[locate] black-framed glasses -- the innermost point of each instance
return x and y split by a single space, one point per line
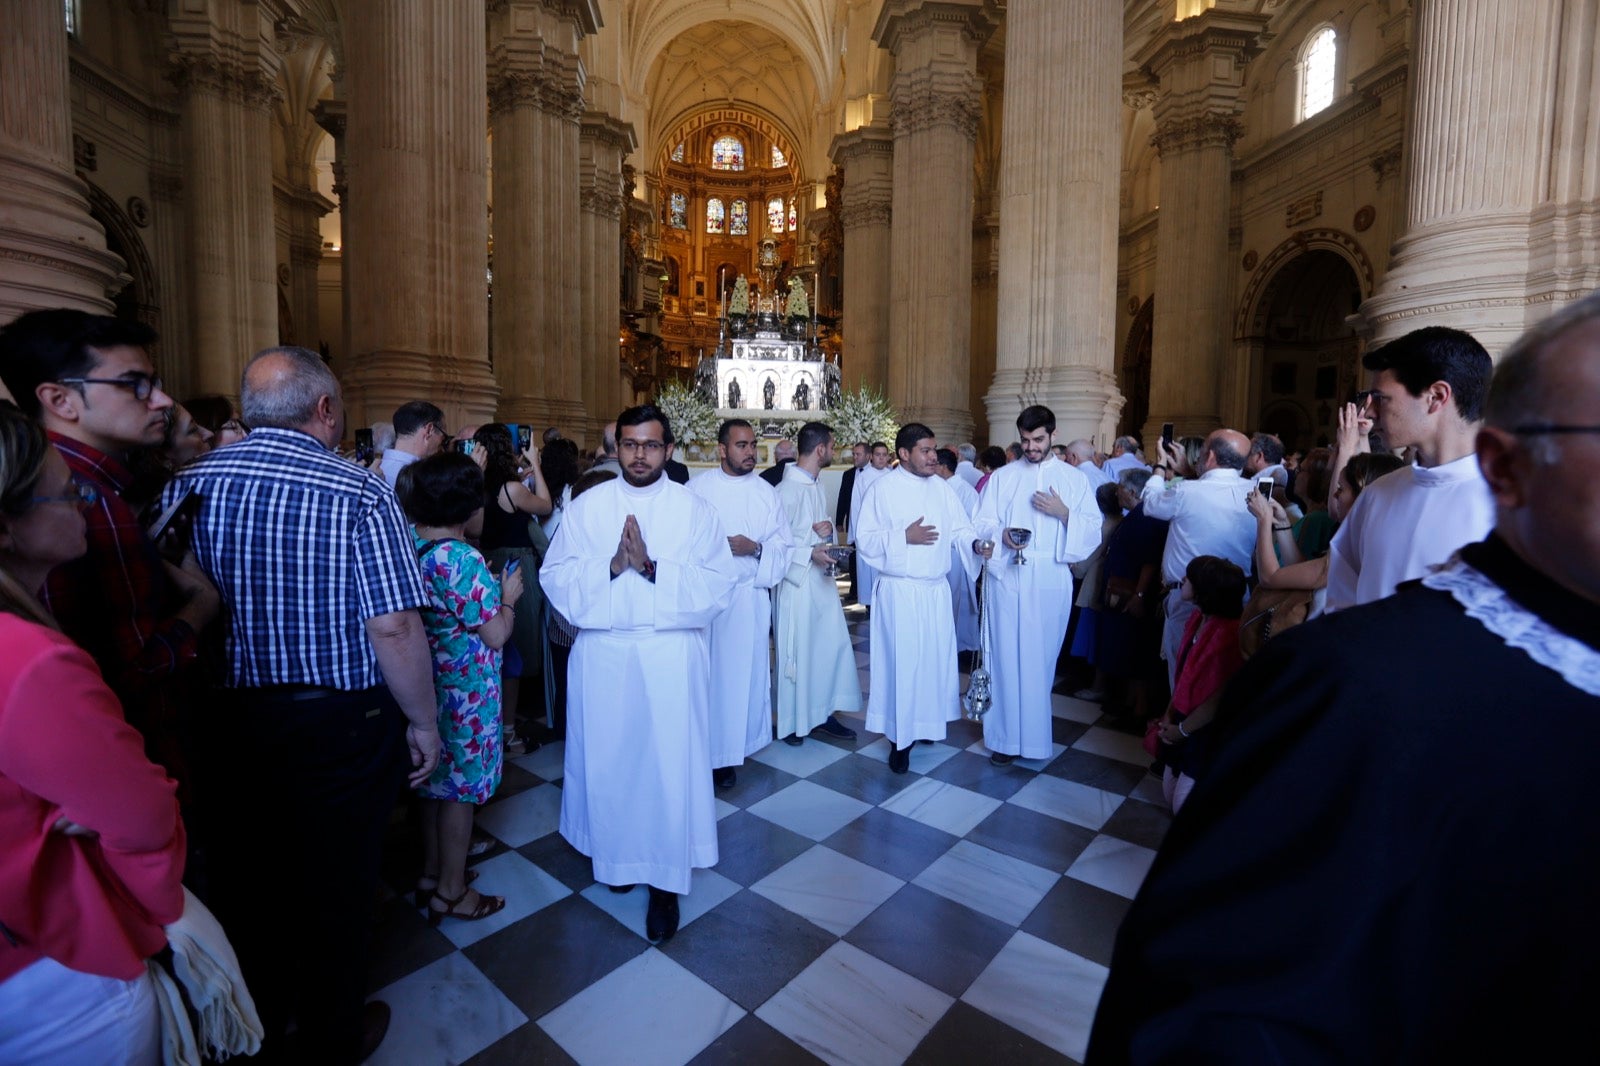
654 447
81 493
141 384
1532 430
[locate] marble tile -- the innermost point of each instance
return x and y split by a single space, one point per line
543 961
1081 918
978 747
724 808
1149 790
749 947
752 1040
1114 865
1042 990
647 1010
802 761
990 883
851 1008
810 810
863 659
830 889
932 938
864 779
975 773
966 1035
924 757
525 887
1074 710
756 781
547 762
523 818
891 842
1114 744
749 848
1097 771
944 806
1068 800
1032 837
452 988
707 888
1141 823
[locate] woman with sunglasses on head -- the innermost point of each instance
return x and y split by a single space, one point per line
91 844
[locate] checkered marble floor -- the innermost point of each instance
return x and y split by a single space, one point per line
955 914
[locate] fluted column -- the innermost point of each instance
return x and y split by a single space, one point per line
934 111
1060 165
605 141
333 116
1199 66
867 195
52 254
536 105
1477 168
415 223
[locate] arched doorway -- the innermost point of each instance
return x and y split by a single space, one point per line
139 300
1133 371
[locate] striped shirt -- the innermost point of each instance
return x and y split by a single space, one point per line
305 547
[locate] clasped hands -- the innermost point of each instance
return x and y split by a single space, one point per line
631 552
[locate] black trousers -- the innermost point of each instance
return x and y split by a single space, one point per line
300 786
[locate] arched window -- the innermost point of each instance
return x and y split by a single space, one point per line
1317 72
678 216
739 218
677 153
714 215
775 214
794 219
727 153
778 160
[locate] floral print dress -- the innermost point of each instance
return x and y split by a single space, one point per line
463 595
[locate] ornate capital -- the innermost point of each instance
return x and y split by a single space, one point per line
924 102
1140 98
1211 129
871 213
548 90
231 80
1386 164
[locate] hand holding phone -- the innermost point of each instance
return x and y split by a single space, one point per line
1166 434
1265 487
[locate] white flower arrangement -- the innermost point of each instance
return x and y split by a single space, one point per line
797 306
862 415
739 302
693 419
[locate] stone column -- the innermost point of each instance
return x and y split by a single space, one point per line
226 74
333 116
867 156
52 254
605 143
416 217
1060 171
934 111
1199 66
536 104
1476 168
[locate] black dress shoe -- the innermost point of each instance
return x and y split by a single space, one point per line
831 726
661 920
900 760
924 742
622 889
724 777
374 1024
999 759
794 740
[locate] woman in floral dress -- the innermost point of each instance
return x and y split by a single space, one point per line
469 619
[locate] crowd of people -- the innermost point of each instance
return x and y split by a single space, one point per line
234 644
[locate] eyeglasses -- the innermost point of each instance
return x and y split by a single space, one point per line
653 447
81 493
232 425
1540 431
141 384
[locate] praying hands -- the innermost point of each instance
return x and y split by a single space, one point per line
631 552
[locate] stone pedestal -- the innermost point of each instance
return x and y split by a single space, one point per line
867 156
416 217
1060 169
605 142
1199 66
934 111
52 254
1478 171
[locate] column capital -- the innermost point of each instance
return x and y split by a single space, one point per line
924 99
901 21
583 14
556 88
608 132
1210 129
1196 69
241 83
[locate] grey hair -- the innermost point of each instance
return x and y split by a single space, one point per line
967 453
1517 395
286 401
1127 444
1133 479
382 436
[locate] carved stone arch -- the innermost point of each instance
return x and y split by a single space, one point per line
141 299
1250 318
1133 369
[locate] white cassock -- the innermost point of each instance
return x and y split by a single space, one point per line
866 577
963 592
816 661
1030 604
741 659
915 689
637 798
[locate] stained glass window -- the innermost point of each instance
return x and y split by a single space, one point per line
677 153
778 160
714 215
794 219
678 217
739 218
1317 73
775 214
727 153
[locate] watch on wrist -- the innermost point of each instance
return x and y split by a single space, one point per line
758 552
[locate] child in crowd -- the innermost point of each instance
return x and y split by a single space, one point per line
469 619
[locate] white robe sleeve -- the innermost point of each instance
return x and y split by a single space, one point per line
688 592
988 521
959 533
1344 560
798 521
777 547
880 539
1082 534
576 575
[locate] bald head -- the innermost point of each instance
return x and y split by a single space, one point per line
1080 451
784 449
1225 449
292 388
608 441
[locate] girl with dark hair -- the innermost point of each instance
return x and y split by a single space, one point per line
1208 657
217 416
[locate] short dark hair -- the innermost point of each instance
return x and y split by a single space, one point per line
813 434
910 434
1268 447
993 457
878 444
947 459
590 480
1438 353
1218 586
1105 497
1036 416
58 343
645 412
412 416
1227 455
444 489
861 444
1366 467
1014 451
728 426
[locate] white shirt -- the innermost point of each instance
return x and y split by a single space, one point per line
1008 503
1402 524
393 462
1096 476
969 473
965 493
1126 461
1209 516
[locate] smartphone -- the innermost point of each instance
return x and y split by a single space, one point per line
1265 487
170 531
364 447
511 567
1166 433
466 446
523 435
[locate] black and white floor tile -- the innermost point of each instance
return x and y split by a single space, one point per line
958 913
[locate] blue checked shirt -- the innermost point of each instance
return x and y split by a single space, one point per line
304 547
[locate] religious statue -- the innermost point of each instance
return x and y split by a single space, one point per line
769 392
802 397
734 394
832 391
705 379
